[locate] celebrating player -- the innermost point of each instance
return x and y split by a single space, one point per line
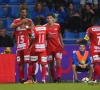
93 34
37 50
22 26
54 47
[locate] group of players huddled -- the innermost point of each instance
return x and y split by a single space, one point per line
44 44
39 43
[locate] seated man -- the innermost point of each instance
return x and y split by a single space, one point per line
82 62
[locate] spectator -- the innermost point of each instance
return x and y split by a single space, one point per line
74 22
60 16
5 40
39 10
94 2
87 15
24 5
82 62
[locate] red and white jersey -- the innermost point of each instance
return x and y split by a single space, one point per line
39 33
53 43
21 34
93 33
22 39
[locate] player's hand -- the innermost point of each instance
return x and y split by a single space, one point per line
84 66
62 45
24 21
80 65
77 41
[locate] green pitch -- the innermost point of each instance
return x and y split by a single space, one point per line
49 86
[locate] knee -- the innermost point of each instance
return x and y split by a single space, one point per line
58 63
73 66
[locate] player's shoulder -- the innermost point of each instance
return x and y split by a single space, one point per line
56 24
94 28
18 19
45 25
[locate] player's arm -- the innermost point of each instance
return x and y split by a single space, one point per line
30 26
84 40
61 40
15 25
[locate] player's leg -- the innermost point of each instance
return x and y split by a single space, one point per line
95 60
50 60
58 58
20 60
75 72
43 61
90 71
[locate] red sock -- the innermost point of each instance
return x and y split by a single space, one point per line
52 70
21 72
33 70
43 72
96 72
58 71
30 68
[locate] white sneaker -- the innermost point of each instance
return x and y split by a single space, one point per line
93 81
43 81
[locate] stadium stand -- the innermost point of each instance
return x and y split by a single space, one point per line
2 2
69 38
12 2
31 2
76 2
2 13
81 35
11 11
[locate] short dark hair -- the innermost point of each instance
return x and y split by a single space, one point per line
23 9
37 20
95 20
50 14
82 44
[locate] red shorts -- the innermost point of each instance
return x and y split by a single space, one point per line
54 55
40 57
95 57
23 56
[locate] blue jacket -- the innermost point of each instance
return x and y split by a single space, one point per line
75 60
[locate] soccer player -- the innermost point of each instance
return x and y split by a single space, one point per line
54 46
37 50
22 26
93 34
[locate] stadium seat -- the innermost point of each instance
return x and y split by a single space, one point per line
31 8
46 10
12 11
2 2
76 2
69 38
99 22
30 2
2 13
12 2
7 23
81 35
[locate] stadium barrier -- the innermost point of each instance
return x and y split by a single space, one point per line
66 65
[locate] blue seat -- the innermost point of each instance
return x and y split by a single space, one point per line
7 23
2 13
76 2
13 2
69 36
47 10
99 22
12 11
81 35
2 2
31 2
31 8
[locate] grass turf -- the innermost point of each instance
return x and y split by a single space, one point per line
50 86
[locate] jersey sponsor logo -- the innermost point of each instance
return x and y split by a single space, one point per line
40 28
95 29
96 47
18 59
44 59
21 45
20 29
96 57
26 57
40 46
34 58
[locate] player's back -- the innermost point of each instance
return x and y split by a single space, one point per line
94 35
22 40
40 38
